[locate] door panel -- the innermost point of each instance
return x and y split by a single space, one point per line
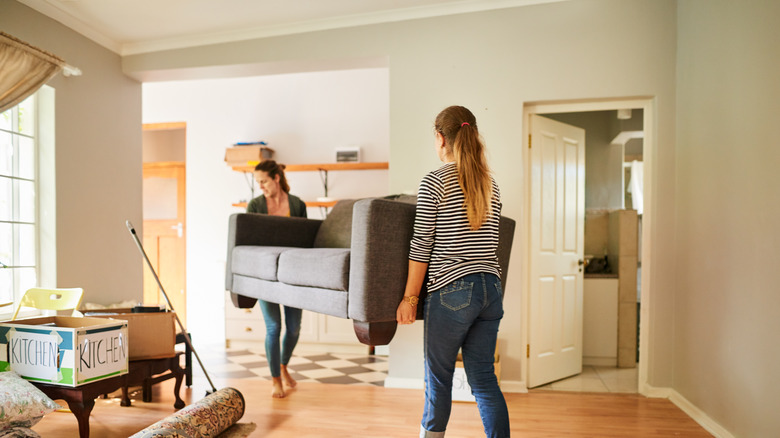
557 214
164 234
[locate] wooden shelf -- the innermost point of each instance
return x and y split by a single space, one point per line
320 203
308 204
324 166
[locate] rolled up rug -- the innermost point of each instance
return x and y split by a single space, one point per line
205 418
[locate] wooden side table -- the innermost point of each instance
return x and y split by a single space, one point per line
146 373
81 399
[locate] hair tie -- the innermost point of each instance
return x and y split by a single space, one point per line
464 123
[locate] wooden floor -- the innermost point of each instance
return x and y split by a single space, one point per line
324 410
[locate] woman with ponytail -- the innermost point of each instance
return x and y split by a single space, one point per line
277 200
455 241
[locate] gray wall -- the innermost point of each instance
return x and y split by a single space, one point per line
494 62
98 160
727 304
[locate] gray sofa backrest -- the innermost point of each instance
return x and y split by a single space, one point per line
336 229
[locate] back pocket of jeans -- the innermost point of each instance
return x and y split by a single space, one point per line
456 296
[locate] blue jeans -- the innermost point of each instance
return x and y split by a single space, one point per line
463 315
272 315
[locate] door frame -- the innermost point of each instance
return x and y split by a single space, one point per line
182 196
647 103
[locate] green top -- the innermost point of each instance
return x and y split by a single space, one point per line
297 207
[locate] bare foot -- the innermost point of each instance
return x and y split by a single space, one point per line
288 380
278 390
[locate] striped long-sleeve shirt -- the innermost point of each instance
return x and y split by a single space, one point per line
442 236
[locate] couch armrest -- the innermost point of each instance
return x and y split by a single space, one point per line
506 235
265 230
381 233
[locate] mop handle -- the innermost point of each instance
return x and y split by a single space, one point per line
183 330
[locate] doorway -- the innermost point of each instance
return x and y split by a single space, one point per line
164 214
621 149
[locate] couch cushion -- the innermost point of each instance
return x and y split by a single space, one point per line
326 268
401 197
257 261
336 229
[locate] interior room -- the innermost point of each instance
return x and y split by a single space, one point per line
690 319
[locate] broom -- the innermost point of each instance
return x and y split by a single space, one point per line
170 306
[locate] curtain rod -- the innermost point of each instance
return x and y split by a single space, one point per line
69 70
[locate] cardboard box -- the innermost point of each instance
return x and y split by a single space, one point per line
151 335
243 155
461 390
63 350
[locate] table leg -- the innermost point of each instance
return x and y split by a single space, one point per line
187 356
179 402
125 397
82 410
147 390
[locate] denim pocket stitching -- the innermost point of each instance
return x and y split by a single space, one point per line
456 287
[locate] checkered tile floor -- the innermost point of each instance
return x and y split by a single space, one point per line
304 367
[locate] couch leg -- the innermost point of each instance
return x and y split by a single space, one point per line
375 333
241 301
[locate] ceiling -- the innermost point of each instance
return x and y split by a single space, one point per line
139 26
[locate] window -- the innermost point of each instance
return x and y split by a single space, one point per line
19 203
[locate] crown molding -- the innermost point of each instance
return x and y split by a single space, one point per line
395 15
81 25
53 11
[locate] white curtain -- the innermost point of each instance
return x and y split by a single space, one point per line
23 69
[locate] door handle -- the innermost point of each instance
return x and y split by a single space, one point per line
580 263
179 229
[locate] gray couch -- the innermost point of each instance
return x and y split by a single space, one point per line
351 265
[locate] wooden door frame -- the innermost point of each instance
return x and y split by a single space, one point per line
649 127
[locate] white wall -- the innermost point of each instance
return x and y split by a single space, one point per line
304 117
727 305
493 62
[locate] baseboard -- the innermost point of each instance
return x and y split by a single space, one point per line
303 347
321 347
514 386
594 361
699 416
653 392
404 383
507 386
689 408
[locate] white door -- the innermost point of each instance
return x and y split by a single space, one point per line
557 221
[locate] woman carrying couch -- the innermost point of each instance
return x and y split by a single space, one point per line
276 200
455 240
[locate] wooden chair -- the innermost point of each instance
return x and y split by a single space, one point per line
51 299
